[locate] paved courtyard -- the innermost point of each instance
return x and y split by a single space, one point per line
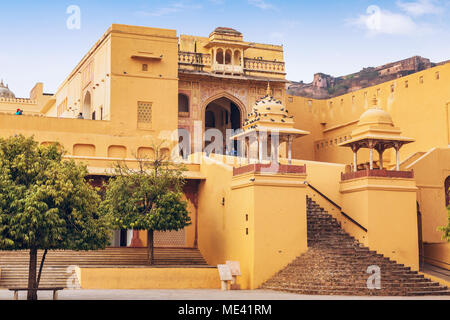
192 295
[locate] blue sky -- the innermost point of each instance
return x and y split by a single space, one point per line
334 37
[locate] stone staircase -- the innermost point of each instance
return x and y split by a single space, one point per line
59 268
337 264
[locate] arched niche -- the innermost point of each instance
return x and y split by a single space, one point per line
85 150
228 55
119 152
237 57
146 153
220 56
87 106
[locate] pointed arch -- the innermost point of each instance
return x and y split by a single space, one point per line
224 94
87 105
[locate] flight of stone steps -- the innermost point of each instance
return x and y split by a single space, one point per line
58 268
336 264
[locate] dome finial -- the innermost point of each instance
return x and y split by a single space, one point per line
375 102
268 91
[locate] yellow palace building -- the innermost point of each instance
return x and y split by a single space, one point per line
374 162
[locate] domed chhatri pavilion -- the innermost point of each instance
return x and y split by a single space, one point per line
269 124
376 131
5 92
293 193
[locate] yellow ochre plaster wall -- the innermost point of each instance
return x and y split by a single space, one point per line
251 218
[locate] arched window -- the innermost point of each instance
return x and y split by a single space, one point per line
237 58
183 103
210 121
219 56
228 55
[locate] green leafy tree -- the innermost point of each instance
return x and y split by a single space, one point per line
46 204
147 198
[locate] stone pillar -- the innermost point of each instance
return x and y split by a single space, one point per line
355 158
290 149
371 155
247 146
397 156
136 242
380 156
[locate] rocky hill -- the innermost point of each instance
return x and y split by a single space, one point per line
326 86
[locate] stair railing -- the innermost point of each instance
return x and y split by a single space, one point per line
337 206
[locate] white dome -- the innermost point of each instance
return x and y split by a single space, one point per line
5 92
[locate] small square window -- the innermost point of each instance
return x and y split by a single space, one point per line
406 84
421 79
437 75
145 67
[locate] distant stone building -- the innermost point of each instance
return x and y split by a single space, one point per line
325 86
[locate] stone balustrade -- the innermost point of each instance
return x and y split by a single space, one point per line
227 68
187 60
193 58
18 100
258 65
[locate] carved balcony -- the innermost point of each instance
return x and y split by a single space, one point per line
259 65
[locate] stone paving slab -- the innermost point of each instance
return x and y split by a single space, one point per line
195 295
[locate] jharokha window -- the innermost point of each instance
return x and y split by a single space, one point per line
144 115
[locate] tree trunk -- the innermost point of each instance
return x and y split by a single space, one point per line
150 246
40 269
32 293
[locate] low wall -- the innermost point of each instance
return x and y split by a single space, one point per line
437 254
149 278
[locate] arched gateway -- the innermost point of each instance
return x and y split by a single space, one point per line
223 112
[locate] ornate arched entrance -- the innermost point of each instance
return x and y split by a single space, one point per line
223 112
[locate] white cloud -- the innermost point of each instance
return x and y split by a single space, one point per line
261 4
378 21
420 7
